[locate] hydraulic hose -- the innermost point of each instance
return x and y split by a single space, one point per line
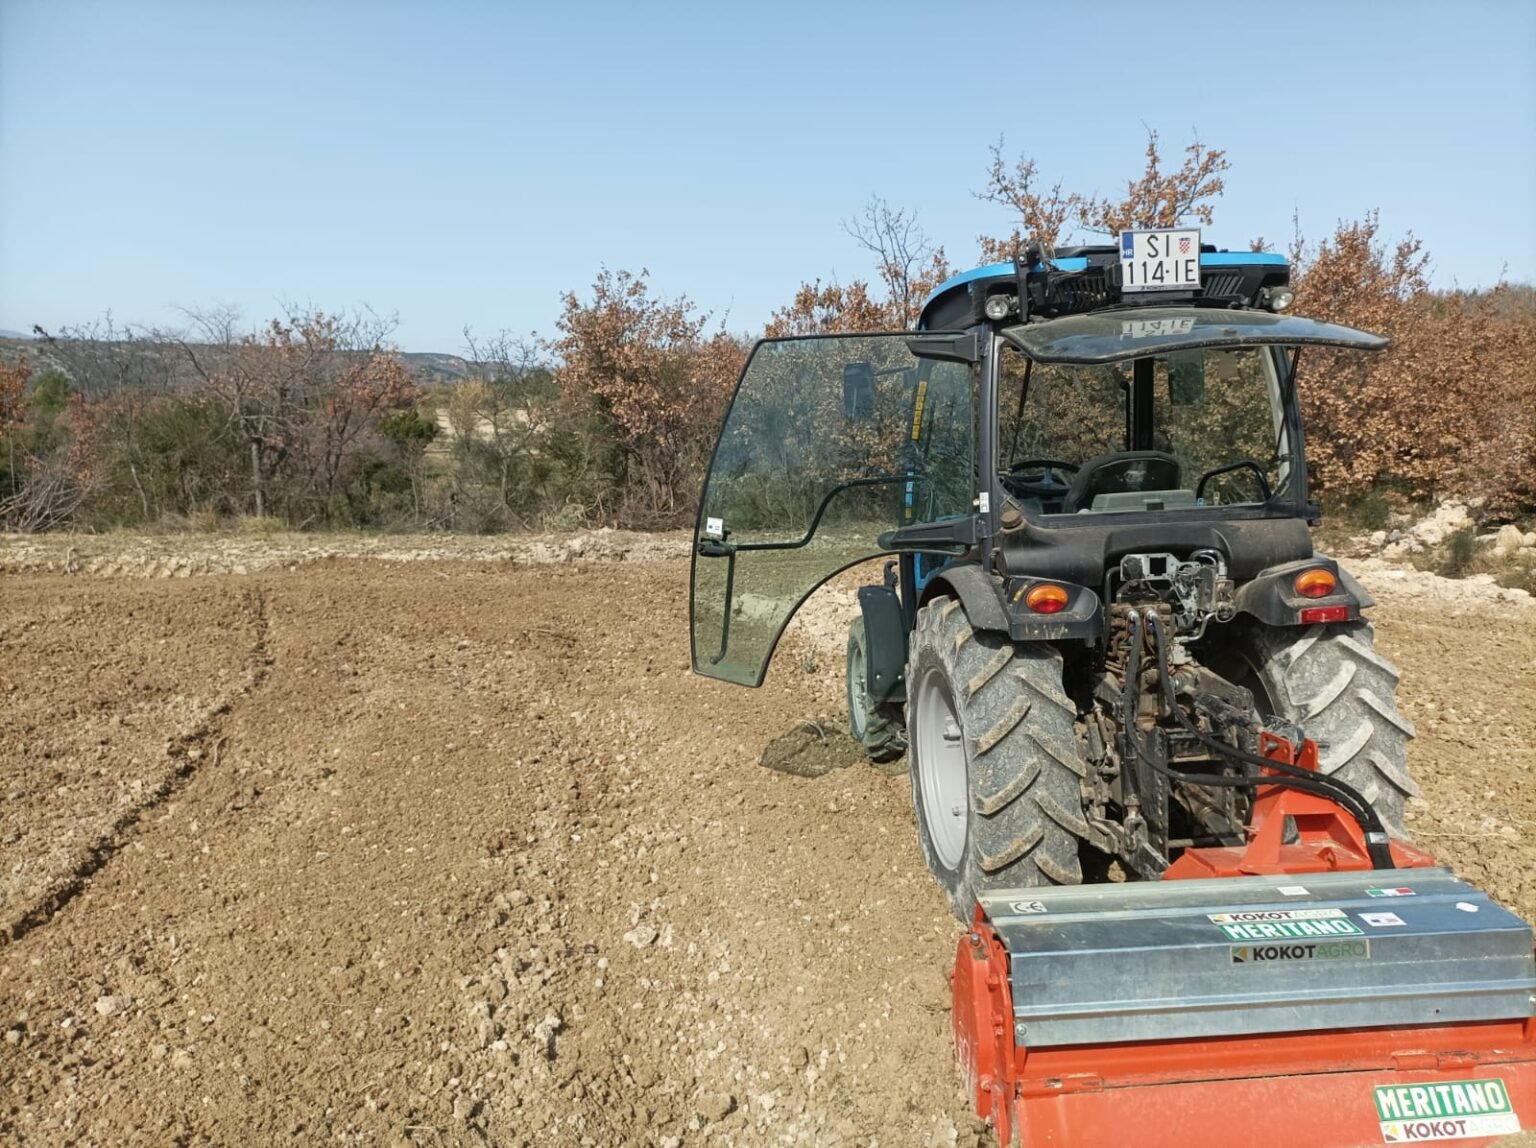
1345 795
1289 776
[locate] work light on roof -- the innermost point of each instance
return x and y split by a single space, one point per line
999 307
1277 298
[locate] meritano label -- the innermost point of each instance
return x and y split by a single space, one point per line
1449 1110
1285 924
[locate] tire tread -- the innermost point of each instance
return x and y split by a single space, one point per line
1331 681
1024 767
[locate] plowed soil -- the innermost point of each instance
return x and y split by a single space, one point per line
458 851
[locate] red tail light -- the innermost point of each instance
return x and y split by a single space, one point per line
1047 598
1317 583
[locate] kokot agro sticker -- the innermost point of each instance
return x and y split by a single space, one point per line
1453 1110
1283 924
1301 951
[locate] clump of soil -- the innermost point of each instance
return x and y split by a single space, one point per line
811 749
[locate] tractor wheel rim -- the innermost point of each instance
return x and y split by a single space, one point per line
856 695
941 770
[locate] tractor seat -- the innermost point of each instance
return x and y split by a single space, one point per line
1126 471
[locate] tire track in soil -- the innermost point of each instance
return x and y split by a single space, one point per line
189 749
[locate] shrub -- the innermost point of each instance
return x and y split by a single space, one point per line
1371 511
1460 552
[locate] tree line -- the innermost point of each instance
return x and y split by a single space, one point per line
312 420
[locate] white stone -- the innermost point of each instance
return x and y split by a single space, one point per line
1509 539
642 935
113 1005
1447 519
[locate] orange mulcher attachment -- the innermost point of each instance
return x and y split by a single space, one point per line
1291 996
1327 838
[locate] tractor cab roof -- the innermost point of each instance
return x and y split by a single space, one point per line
1133 332
1073 280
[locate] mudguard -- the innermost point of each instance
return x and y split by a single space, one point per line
1271 596
993 603
885 644
980 594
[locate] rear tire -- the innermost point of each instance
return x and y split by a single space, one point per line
877 726
996 772
1331 682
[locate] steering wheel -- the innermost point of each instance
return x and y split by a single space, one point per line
1243 464
1047 485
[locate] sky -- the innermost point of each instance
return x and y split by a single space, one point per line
464 164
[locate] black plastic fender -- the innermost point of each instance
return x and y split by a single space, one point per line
885 644
991 602
1271 596
980 594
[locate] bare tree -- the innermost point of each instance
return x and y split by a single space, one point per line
908 262
1042 214
498 422
360 377
101 357
302 389
132 365
1158 198
212 349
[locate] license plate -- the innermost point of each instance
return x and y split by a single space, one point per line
1160 260
1152 328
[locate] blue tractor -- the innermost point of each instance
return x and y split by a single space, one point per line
1086 470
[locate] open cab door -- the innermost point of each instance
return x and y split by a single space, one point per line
831 444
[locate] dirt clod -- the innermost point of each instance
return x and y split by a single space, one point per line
113 1005
715 1106
812 748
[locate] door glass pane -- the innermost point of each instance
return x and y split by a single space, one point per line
825 449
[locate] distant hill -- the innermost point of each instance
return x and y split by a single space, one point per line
35 351
427 368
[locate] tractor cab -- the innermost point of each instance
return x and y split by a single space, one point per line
1044 416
